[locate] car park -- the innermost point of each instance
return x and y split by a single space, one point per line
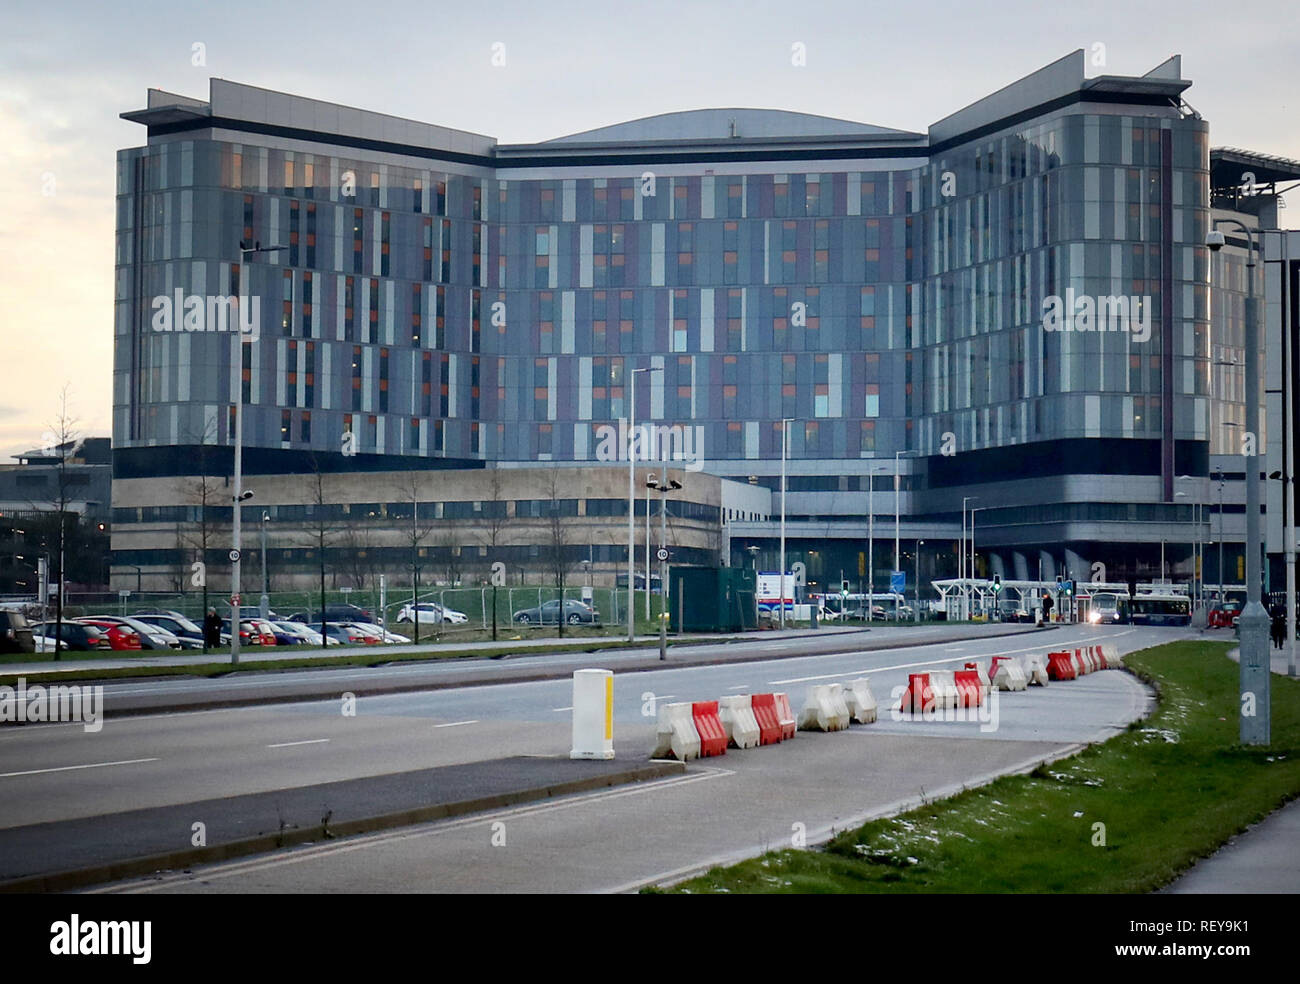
548 613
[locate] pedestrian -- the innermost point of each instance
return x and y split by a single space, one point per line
1277 628
212 630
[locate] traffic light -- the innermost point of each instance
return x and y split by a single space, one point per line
844 587
997 583
1059 587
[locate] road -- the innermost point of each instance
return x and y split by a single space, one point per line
725 807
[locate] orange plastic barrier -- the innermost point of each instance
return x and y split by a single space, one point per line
785 715
713 740
919 696
1099 655
1060 666
769 726
970 691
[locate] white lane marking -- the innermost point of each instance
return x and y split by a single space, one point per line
569 708
236 868
904 666
70 768
455 724
954 649
290 744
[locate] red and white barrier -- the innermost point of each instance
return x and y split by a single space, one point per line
738 722
785 715
919 695
970 691
713 739
1060 666
676 735
769 725
861 701
985 675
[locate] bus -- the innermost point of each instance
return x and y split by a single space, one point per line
1150 609
1108 608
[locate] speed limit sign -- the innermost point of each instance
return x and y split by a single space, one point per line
234 556
662 554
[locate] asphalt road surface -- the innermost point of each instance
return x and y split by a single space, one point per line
614 840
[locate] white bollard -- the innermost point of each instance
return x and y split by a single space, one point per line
593 714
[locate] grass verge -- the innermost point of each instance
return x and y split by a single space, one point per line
1168 791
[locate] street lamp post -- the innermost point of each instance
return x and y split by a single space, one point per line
753 553
962 565
974 510
245 251
265 601
663 488
898 485
785 431
631 501
1255 661
871 541
916 614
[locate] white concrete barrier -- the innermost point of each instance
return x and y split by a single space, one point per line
676 735
823 710
738 722
861 701
1009 676
944 688
1035 668
593 714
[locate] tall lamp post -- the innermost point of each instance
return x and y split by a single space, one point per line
898 485
974 510
663 488
753 553
916 615
962 571
245 251
871 541
265 601
1255 662
631 501
785 433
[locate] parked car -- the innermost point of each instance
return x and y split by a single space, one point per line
121 638
151 636
249 633
77 636
344 633
372 635
45 644
335 613
575 612
306 635
190 635
432 612
15 634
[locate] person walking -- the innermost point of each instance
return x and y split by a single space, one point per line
212 630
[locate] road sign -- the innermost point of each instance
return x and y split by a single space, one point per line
897 582
234 556
661 553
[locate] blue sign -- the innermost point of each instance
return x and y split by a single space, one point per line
897 582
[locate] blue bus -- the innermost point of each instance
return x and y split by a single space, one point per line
1148 609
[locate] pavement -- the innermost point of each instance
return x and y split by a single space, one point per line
1263 859
66 854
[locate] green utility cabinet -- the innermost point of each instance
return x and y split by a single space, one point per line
711 599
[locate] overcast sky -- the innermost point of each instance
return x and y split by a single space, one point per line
68 69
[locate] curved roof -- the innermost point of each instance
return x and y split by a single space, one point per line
711 124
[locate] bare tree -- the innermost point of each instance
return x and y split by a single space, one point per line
415 534
321 531
557 537
59 440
